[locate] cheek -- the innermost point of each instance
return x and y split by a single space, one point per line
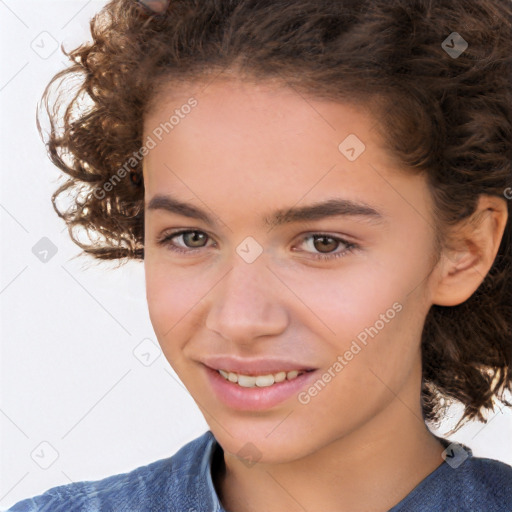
349 299
173 296
372 313
369 287
372 344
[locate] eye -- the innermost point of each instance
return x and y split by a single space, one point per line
194 240
326 243
192 243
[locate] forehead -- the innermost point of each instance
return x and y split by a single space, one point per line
245 114
258 144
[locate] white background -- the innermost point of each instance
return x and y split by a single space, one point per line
69 377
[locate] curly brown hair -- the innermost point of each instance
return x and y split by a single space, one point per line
445 115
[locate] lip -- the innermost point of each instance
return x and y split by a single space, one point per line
256 399
254 366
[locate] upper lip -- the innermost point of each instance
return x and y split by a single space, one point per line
253 366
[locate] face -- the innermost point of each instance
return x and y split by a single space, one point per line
265 282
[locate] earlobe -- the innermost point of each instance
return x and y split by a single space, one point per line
474 244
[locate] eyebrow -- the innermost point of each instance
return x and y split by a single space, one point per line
316 211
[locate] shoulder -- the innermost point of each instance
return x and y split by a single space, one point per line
161 485
483 481
475 485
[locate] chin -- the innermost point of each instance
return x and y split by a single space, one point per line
263 444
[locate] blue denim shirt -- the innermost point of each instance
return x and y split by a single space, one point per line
183 483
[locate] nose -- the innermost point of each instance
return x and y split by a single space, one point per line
246 304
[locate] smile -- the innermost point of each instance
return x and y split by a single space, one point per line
261 381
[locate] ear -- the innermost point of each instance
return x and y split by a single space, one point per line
473 245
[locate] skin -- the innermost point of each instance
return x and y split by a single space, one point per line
244 151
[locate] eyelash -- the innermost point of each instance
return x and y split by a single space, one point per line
350 247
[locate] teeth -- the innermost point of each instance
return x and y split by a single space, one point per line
246 381
279 377
261 381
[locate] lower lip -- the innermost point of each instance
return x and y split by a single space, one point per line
256 398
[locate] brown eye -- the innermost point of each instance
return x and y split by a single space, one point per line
324 243
322 246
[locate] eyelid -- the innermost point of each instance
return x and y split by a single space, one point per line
166 237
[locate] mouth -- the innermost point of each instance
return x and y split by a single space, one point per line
254 390
262 380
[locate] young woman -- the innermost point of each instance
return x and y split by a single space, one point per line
320 193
